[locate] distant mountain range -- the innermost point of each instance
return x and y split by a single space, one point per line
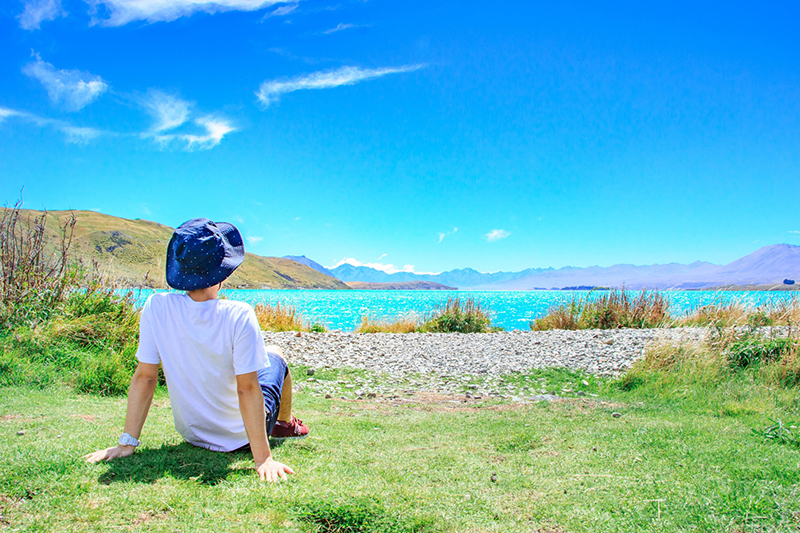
767 265
130 250
303 260
399 286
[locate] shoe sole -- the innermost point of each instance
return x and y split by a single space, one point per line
292 437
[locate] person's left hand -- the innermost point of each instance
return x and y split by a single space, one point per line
109 454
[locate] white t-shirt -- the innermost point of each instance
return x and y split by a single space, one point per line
202 347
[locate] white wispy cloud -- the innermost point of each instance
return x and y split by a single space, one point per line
71 89
37 11
215 129
253 239
6 113
281 11
791 231
73 134
270 91
388 268
496 235
168 111
121 12
339 27
80 135
171 112
445 234
209 129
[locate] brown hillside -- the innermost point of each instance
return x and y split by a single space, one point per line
134 250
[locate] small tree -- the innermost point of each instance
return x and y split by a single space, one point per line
34 270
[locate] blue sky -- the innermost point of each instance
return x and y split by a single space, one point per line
424 135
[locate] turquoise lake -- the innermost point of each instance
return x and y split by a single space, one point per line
509 309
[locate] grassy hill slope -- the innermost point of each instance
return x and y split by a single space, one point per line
134 251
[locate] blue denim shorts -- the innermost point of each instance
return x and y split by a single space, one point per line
271 381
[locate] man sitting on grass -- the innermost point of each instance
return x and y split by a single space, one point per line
228 392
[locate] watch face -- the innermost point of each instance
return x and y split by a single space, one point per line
127 440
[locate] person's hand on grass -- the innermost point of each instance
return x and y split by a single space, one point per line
271 470
109 453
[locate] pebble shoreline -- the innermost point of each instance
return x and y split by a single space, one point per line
599 352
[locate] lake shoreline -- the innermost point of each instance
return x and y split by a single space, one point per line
510 310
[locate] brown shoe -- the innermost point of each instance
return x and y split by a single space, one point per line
294 429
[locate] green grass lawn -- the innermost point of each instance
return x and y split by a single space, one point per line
671 462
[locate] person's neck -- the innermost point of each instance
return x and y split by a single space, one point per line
204 295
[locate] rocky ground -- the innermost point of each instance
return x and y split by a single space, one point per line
474 365
602 352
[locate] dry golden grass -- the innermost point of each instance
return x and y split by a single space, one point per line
724 315
726 351
407 324
783 370
706 362
279 318
457 315
606 310
789 368
786 312
650 309
463 316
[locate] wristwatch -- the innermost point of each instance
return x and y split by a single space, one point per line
127 440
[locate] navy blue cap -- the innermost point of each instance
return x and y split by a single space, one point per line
203 253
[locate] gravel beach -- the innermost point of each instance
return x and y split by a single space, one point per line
600 352
454 368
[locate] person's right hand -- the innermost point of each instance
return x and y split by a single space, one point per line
109 453
271 470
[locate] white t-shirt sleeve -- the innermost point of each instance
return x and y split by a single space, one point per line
249 353
147 352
